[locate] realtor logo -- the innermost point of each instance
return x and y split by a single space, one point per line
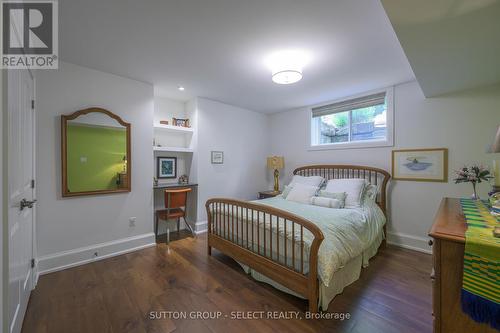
29 34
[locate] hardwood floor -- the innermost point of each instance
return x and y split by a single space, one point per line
117 295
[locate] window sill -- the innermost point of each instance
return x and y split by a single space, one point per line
351 145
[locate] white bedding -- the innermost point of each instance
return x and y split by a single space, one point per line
348 233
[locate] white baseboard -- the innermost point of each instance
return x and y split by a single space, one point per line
66 259
409 242
200 227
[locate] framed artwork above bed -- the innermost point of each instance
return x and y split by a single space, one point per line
425 165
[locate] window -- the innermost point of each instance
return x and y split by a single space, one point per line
363 121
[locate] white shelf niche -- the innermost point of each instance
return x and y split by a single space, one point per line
174 149
174 129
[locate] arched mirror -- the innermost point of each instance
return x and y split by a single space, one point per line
95 153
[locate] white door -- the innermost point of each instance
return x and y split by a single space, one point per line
21 194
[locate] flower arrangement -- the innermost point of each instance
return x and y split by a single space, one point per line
474 174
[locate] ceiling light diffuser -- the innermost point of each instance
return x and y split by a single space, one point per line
286 66
287 76
181 88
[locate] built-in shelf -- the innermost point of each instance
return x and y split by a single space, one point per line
174 129
174 149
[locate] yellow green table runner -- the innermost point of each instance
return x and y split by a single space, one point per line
481 280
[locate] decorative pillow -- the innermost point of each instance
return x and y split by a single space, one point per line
353 187
370 193
325 202
337 196
312 180
302 193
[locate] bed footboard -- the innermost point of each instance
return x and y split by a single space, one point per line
255 234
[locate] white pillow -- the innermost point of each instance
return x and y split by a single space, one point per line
353 187
338 196
312 180
302 193
325 202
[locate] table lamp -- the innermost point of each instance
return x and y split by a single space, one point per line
276 163
495 149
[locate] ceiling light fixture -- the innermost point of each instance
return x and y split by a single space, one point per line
181 88
287 76
286 66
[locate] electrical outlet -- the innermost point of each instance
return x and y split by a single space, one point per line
131 221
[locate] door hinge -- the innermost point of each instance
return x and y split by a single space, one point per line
32 263
32 104
32 183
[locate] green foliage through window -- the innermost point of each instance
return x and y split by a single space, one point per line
368 123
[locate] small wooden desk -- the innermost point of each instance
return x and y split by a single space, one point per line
448 244
173 185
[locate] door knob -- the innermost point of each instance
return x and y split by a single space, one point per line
27 204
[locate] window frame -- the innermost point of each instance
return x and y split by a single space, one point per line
387 142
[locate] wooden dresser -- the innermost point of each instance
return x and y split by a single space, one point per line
448 233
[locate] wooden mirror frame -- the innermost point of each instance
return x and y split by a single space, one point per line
64 155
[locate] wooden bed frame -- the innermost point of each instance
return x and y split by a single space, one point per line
226 233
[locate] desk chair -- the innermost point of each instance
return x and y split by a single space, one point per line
175 199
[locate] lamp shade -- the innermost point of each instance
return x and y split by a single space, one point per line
495 146
275 162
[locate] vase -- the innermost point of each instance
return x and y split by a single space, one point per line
474 195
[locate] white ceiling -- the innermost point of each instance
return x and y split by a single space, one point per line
452 45
217 48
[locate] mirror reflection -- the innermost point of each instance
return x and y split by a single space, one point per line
96 161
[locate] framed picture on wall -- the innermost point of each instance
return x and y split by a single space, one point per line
217 157
426 165
166 167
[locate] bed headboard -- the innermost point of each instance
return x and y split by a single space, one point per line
374 175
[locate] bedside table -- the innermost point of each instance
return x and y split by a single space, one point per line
268 194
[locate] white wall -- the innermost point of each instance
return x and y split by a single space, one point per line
462 122
193 205
166 109
192 114
243 136
82 222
